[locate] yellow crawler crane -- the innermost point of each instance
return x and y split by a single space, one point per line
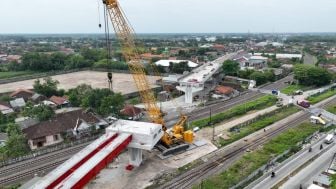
126 37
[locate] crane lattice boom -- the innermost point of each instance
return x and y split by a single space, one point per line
126 37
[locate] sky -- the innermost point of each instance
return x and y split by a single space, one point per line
171 16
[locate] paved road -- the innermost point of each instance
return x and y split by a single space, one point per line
291 166
309 59
306 175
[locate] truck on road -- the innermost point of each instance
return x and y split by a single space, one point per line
329 139
303 103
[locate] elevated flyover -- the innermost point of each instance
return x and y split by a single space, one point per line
195 80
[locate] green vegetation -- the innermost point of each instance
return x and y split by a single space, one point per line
16 145
48 87
289 90
321 96
332 108
7 75
179 68
41 112
252 161
258 76
103 101
260 124
110 65
230 67
333 181
309 75
258 104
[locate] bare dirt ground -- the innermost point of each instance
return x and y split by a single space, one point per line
123 83
116 177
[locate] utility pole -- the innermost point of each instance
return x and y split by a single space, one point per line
213 126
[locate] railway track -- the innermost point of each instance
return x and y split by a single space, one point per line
44 159
218 108
12 174
189 178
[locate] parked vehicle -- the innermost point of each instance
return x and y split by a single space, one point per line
317 120
298 92
303 103
329 139
275 92
279 104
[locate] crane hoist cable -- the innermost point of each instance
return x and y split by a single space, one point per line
108 48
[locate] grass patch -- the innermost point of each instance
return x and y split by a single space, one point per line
321 96
252 161
258 104
332 108
292 88
260 124
7 75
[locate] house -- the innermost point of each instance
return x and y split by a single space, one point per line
14 58
22 93
51 132
322 180
132 112
25 122
3 139
218 47
257 62
59 101
224 90
37 98
5 108
149 56
18 103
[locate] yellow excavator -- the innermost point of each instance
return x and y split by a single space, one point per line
178 137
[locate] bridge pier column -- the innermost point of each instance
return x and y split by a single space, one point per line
189 95
135 156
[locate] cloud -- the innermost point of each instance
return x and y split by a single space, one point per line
172 16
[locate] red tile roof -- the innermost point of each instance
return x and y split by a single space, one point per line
59 100
22 93
130 111
223 90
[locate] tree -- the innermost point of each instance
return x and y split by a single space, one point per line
259 77
179 67
47 88
41 112
16 145
230 67
310 75
13 129
103 101
111 104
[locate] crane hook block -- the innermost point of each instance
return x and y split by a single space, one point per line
99 25
109 75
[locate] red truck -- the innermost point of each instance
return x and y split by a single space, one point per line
303 103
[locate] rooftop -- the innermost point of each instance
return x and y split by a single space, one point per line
166 63
60 123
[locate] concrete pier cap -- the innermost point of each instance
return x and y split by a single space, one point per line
144 137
